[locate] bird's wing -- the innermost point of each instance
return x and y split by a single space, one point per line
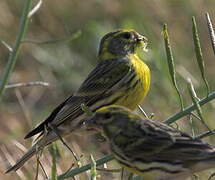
94 92
159 142
142 136
49 119
97 89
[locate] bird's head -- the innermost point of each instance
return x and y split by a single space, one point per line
109 120
121 43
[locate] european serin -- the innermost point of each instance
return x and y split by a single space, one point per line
149 148
120 77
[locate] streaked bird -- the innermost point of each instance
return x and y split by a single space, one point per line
120 78
149 148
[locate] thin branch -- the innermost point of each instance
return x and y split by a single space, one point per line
43 169
142 111
27 84
35 9
205 134
14 54
69 38
76 171
190 108
55 130
6 45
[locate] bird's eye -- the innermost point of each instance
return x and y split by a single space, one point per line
127 35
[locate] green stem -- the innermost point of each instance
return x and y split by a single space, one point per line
82 169
14 54
190 108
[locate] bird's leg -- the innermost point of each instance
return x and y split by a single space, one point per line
55 130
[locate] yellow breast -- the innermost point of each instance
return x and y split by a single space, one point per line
136 94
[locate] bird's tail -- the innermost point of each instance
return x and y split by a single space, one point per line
23 159
40 144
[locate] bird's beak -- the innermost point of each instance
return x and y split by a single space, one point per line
89 123
142 38
143 41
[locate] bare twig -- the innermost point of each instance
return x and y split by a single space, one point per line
24 107
27 84
43 169
35 9
69 38
205 134
64 143
6 45
190 108
79 170
142 111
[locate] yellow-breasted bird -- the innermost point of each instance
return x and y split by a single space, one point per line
149 148
120 78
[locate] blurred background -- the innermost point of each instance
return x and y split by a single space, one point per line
64 65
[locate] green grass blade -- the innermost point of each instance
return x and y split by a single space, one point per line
198 52
14 54
170 62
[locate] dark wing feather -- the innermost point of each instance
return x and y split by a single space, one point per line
102 78
41 126
183 147
161 143
107 75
